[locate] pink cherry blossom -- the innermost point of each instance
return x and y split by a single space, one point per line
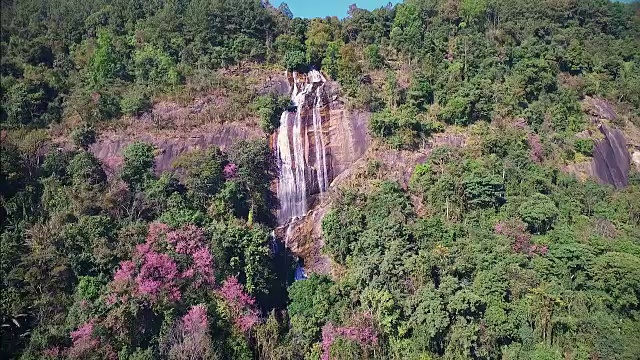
362 333
536 152
186 240
242 305
230 171
203 267
154 275
83 341
53 352
156 231
125 272
196 321
520 238
157 276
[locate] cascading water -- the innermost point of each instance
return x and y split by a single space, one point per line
292 147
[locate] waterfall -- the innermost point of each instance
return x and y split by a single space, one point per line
292 147
321 156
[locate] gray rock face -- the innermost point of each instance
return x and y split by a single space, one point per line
110 146
611 159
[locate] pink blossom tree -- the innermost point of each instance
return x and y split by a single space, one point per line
155 276
363 333
241 305
520 238
536 152
230 171
189 338
170 263
85 344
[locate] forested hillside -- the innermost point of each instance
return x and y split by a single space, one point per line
498 249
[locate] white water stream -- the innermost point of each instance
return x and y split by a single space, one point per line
292 147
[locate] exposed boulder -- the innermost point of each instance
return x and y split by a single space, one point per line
598 109
611 158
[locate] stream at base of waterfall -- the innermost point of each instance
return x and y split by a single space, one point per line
293 137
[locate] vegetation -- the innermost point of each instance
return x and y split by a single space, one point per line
490 252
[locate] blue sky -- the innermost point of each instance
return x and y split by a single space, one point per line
322 8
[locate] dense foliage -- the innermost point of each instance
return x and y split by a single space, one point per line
490 252
502 261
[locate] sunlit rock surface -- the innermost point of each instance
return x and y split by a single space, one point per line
317 140
170 145
611 158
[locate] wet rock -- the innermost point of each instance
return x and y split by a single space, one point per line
317 142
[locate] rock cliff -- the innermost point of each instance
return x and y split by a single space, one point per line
611 158
317 140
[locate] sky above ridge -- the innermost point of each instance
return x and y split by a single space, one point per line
322 8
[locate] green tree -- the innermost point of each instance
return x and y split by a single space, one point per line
84 136
295 60
374 58
202 171
618 275
104 65
135 102
539 212
253 160
84 168
138 164
407 31
154 66
584 146
311 301
483 191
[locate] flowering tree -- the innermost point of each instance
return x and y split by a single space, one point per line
516 231
86 345
536 151
154 274
190 338
362 333
241 305
230 171
170 263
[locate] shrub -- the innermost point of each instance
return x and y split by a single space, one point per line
84 136
295 60
584 146
135 102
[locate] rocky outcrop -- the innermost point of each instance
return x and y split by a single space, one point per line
171 144
304 235
611 158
